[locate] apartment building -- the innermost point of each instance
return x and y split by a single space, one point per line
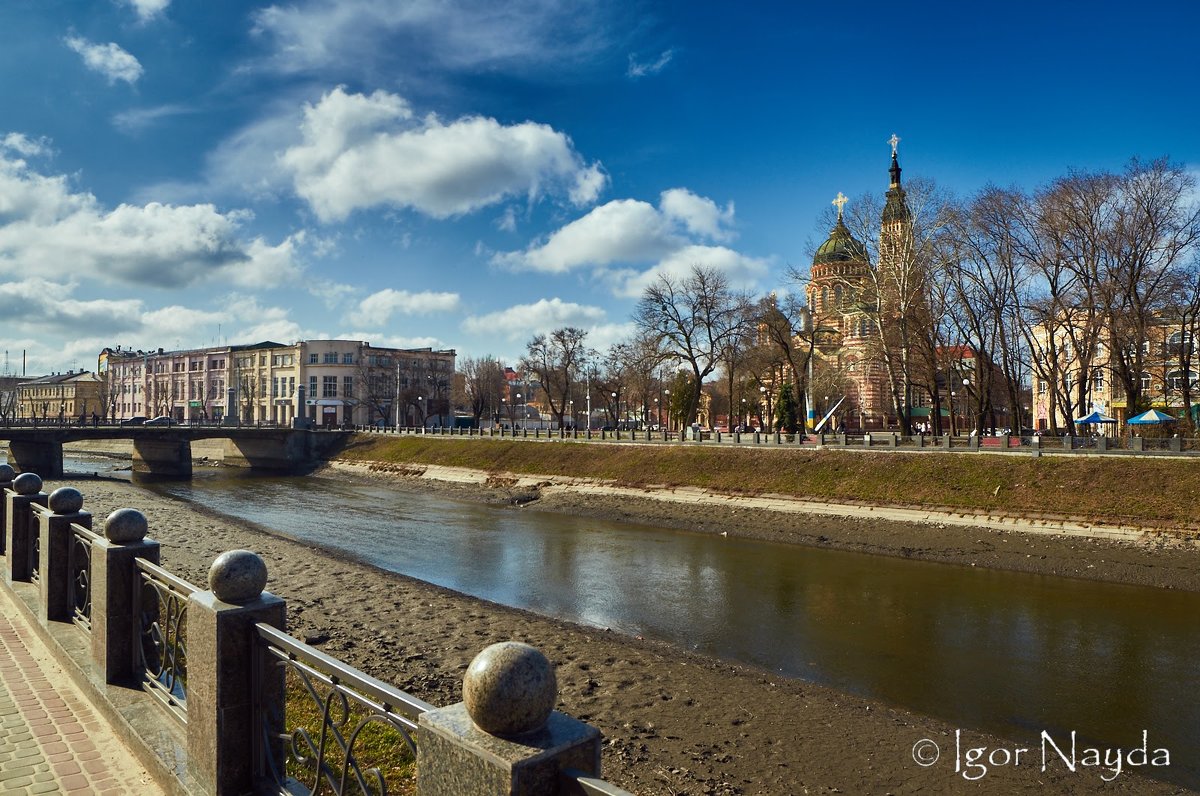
328 382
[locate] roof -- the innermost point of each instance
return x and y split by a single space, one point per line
840 246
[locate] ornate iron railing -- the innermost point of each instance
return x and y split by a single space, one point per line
79 564
162 601
335 707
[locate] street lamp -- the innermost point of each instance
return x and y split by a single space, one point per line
503 404
571 404
745 419
967 395
616 411
762 391
668 394
523 415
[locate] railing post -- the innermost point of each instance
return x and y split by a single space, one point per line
56 538
7 474
504 738
221 726
18 524
114 576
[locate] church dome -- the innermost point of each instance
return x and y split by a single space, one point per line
840 247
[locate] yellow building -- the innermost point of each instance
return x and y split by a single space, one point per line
60 397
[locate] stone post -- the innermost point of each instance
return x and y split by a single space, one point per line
54 548
221 727
1135 443
7 474
973 442
867 440
115 628
504 738
19 524
1101 443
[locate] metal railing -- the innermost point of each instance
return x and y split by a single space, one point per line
79 565
343 705
162 600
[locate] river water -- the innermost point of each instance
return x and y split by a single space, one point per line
1012 653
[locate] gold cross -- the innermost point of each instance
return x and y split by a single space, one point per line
895 139
840 202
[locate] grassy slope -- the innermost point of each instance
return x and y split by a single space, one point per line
1154 491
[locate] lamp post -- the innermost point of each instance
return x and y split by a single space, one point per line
397 396
745 418
503 405
667 393
616 412
762 391
967 397
571 404
514 408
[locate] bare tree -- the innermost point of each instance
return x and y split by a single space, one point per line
692 319
555 359
483 385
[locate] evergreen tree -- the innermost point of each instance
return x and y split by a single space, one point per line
786 410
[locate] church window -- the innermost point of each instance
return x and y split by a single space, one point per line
824 297
837 295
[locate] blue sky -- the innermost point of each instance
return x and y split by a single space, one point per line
467 173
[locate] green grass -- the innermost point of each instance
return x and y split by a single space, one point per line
1120 490
377 746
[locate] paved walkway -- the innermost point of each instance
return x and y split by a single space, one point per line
51 739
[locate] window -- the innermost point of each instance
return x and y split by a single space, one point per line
1179 343
347 359
1145 382
1177 380
837 295
312 386
313 359
329 387
1041 387
1097 379
331 357
824 297
348 387
291 386
275 387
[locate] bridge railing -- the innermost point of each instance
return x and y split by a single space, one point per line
257 710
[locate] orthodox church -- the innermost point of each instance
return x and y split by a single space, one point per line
844 296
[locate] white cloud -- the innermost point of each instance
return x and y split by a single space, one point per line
147 9
523 321
742 271
377 309
393 341
107 59
699 214
363 151
472 35
57 233
25 146
637 69
627 231
135 120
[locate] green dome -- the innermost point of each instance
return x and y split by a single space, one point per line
840 247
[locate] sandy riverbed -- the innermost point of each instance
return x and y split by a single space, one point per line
674 722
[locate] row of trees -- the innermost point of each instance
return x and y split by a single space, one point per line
1088 277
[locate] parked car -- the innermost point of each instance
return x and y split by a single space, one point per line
133 421
161 420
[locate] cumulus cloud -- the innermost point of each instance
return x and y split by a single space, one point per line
23 145
637 69
742 271
55 232
147 10
627 231
523 321
107 59
362 151
378 308
314 35
37 305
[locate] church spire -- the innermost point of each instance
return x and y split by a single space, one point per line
896 208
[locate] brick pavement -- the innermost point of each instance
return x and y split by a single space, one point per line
51 739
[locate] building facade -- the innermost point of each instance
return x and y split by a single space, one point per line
329 382
60 397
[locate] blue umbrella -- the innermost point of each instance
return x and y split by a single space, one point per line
1095 417
1151 417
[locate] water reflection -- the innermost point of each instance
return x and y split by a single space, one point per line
1009 652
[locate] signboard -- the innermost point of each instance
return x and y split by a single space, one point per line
195 404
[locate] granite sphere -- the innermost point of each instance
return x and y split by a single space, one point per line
65 500
237 576
27 484
510 689
7 473
126 525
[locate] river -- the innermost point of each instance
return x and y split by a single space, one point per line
1012 653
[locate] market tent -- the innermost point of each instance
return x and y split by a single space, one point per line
1151 417
1094 417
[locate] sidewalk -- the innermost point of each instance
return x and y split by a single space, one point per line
51 738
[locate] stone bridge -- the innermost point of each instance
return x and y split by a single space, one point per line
167 450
